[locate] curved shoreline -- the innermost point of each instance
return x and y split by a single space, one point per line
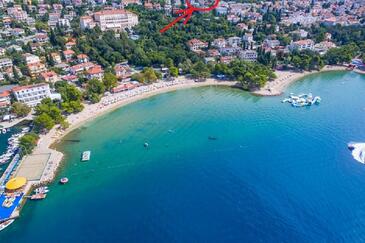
48 141
286 78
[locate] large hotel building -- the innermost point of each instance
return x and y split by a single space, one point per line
114 19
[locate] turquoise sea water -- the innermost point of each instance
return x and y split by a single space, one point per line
273 174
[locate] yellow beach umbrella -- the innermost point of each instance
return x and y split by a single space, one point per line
16 183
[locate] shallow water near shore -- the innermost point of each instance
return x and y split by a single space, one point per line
272 173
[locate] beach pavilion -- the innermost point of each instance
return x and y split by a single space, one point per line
15 183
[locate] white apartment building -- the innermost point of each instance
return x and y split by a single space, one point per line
17 13
234 41
87 22
32 94
115 19
302 45
248 55
5 63
30 58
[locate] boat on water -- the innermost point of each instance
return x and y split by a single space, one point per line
38 196
85 156
6 223
64 180
357 151
43 189
13 145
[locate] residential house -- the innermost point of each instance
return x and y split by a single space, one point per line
70 44
53 19
49 76
56 57
196 45
122 71
5 99
248 55
69 55
226 59
80 68
5 63
41 38
234 41
219 43
123 87
300 45
82 58
95 72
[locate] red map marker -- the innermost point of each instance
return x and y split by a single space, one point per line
188 12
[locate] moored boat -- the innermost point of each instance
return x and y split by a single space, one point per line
38 196
5 224
43 189
357 151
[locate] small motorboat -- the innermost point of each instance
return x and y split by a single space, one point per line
5 224
64 180
146 145
38 196
212 138
42 189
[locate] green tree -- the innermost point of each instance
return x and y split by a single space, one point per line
110 80
20 109
94 89
174 71
200 70
150 74
44 122
28 142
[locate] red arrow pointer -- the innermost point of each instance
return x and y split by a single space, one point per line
187 13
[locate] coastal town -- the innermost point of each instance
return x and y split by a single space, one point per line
65 62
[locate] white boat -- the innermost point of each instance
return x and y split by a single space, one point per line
5 224
358 151
42 189
85 156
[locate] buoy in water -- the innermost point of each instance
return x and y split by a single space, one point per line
64 180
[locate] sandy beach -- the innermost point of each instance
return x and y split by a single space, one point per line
285 78
114 101
107 104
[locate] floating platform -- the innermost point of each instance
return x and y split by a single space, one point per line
85 156
302 100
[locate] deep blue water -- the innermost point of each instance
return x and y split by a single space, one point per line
274 174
